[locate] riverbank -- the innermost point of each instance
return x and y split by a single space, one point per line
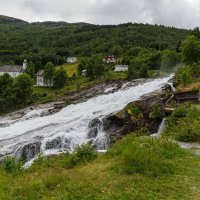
73 97
176 175
74 125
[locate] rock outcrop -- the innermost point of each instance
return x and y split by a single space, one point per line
142 116
29 151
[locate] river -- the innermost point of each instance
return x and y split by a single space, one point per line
69 127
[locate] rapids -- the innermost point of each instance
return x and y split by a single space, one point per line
67 128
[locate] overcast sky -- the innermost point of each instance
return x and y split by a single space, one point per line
179 13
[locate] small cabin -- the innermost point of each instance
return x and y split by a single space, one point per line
110 59
121 68
72 60
84 72
40 82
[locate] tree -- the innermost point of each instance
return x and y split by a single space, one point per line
7 97
81 66
143 71
183 75
60 78
5 81
195 32
31 69
132 72
49 71
169 60
89 70
191 50
22 88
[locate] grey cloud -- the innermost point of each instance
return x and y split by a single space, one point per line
179 13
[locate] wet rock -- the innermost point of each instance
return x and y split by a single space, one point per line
29 151
67 145
93 128
92 133
94 123
192 97
54 144
146 113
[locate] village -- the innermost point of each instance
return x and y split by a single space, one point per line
15 70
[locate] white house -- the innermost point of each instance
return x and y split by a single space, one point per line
13 70
72 60
40 82
121 68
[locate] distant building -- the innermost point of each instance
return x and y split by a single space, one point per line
121 68
110 59
13 70
72 60
40 82
84 72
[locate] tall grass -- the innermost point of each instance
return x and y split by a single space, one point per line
11 165
183 124
147 156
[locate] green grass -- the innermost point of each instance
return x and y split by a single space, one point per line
183 124
70 69
106 178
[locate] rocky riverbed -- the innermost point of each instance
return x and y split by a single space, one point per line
73 97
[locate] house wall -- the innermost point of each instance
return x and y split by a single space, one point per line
71 60
121 69
41 83
12 74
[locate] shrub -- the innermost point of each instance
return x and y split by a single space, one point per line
156 112
11 165
81 154
183 75
183 124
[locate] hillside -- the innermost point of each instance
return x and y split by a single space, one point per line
10 21
54 41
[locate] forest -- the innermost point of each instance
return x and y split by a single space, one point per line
55 41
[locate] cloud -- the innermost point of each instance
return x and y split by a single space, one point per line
179 13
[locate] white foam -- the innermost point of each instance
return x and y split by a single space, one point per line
72 121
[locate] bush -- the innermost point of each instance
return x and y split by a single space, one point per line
183 124
179 113
156 112
81 154
184 75
11 165
147 156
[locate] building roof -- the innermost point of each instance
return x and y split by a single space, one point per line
121 65
11 68
40 73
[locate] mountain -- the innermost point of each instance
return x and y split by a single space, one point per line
11 21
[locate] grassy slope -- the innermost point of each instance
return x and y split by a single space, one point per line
189 87
98 180
70 69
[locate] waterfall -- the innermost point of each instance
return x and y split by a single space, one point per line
160 129
69 127
172 87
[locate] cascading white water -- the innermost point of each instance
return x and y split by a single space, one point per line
70 124
160 129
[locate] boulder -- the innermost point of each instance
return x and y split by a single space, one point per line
54 144
29 151
145 114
